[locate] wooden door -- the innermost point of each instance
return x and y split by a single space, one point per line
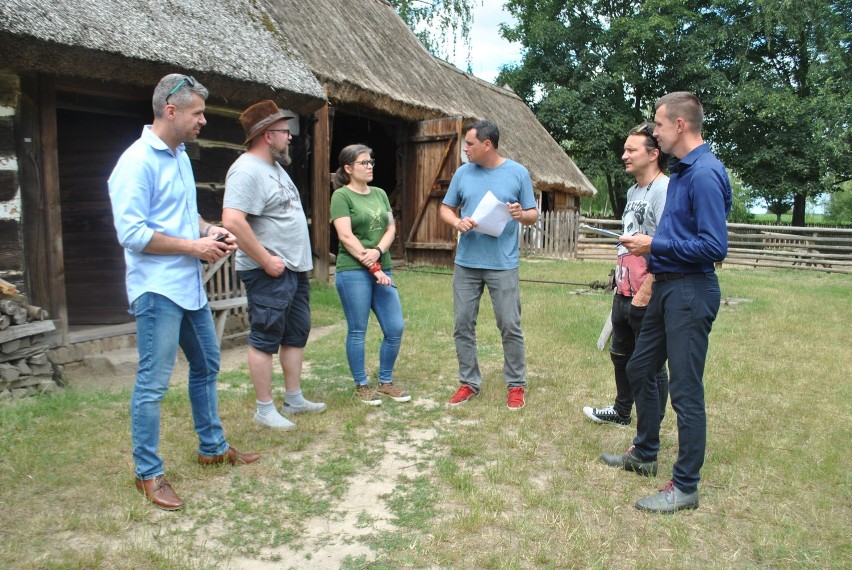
434 154
89 145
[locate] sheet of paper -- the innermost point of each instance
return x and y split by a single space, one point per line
600 231
491 215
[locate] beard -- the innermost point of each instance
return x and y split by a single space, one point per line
282 156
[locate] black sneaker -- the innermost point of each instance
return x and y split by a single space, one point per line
606 415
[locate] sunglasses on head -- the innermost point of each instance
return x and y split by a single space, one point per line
187 80
646 129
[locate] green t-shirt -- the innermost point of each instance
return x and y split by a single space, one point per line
369 214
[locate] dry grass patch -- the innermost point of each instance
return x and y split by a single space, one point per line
420 485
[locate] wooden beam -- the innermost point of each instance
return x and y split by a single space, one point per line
321 194
431 138
52 215
425 245
28 329
41 220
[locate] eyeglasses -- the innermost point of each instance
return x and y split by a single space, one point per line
187 80
285 131
366 163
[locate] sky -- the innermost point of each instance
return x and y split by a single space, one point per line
489 51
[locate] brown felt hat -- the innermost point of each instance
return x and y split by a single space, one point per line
257 118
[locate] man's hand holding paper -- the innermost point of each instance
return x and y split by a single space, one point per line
491 215
637 244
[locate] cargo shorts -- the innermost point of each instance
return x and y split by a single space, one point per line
279 309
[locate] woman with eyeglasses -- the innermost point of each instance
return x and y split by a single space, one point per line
362 216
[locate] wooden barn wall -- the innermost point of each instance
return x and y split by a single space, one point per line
57 239
11 240
94 128
91 134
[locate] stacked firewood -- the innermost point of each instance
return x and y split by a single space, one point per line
25 369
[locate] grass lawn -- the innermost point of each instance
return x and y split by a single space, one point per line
419 485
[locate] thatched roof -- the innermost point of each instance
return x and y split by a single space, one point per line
365 55
228 44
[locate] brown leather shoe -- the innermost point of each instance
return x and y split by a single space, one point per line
159 492
233 457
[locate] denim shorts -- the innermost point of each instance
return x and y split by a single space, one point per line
279 309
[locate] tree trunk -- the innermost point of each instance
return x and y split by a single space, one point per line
799 201
610 191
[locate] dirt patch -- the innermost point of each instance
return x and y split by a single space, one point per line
362 511
327 540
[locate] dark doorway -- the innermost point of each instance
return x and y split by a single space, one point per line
92 133
89 143
381 136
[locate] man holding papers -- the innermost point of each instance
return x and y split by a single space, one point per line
646 199
491 190
691 238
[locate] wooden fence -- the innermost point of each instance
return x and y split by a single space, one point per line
553 235
594 246
226 293
819 249
559 234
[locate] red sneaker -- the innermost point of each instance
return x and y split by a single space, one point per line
464 394
516 398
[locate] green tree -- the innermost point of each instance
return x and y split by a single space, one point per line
775 77
839 208
592 69
742 203
438 24
780 118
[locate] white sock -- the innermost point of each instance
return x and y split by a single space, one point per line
295 398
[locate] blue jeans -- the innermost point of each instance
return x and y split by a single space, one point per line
677 325
504 288
359 294
162 326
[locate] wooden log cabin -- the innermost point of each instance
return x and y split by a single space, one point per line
75 92
75 89
385 90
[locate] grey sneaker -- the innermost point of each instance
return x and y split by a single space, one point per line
306 408
274 420
606 415
368 395
670 499
392 392
630 462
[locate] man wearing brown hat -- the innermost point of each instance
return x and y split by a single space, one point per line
263 209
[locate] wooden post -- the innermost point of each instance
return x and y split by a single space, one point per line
42 220
320 182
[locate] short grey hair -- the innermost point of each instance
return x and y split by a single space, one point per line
180 98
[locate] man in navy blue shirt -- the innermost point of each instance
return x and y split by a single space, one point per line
691 237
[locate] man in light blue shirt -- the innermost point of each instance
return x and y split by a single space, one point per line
152 190
484 260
